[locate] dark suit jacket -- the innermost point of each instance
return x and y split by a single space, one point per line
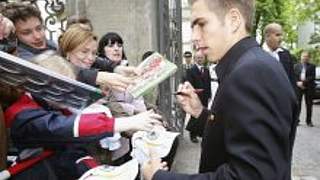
287 61
252 133
310 74
200 81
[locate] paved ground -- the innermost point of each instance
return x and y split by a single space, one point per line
306 157
187 156
306 153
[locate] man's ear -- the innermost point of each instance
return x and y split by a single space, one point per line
234 19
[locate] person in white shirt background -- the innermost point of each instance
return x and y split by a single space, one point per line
273 35
305 74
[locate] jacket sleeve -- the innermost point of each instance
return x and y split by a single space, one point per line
297 71
257 130
31 124
88 76
291 73
104 64
189 76
309 82
209 84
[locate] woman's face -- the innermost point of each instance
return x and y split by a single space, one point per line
114 51
84 55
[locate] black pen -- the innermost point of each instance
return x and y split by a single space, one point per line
197 91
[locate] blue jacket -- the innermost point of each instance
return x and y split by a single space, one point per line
35 126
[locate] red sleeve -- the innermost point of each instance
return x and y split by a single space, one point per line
23 103
92 124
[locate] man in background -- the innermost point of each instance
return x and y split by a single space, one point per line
187 60
250 129
305 74
273 35
199 77
30 30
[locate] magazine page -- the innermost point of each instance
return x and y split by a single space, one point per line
155 69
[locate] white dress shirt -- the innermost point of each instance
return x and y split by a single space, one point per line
274 53
303 72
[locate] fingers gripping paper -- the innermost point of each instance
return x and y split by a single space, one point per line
155 69
127 171
160 141
46 84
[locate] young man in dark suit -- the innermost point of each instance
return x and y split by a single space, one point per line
273 35
305 74
249 131
199 77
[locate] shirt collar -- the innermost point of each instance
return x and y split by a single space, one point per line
50 46
225 65
199 66
267 49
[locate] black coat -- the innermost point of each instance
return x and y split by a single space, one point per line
310 74
287 61
89 76
200 81
252 133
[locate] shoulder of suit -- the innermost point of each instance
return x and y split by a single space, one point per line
313 65
284 50
256 61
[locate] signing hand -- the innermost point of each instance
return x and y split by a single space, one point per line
150 167
189 101
113 81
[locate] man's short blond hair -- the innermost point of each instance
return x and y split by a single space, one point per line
221 7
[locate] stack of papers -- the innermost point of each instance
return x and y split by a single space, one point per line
158 141
127 171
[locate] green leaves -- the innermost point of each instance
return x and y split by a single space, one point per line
288 13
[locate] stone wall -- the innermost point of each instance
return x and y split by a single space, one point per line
134 20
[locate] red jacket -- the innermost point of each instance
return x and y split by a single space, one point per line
35 126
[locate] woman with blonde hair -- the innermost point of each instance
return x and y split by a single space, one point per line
79 46
37 125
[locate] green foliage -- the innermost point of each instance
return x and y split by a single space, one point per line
315 38
285 13
314 54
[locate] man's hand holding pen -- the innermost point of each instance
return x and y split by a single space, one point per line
188 99
197 91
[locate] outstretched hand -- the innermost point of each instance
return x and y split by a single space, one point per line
144 121
114 81
128 71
